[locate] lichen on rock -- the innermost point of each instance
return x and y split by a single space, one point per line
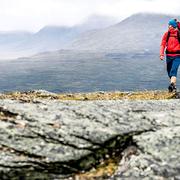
50 138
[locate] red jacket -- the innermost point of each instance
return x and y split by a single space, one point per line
172 46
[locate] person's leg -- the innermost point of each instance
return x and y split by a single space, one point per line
169 61
174 69
173 73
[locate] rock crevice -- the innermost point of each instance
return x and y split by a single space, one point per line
55 139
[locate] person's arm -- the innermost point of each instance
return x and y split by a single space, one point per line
163 45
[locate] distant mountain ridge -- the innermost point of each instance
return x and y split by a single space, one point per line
49 38
138 33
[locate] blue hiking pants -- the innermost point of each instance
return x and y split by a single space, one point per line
172 65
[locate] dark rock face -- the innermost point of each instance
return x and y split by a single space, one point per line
52 139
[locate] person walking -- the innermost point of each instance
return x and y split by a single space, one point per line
170 44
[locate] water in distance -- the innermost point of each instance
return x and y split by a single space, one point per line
84 72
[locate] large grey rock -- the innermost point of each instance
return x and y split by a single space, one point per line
158 154
52 139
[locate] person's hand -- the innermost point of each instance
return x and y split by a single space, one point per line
161 57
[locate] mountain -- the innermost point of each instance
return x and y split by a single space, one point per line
98 22
10 40
49 38
140 33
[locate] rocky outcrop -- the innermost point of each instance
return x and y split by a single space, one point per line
53 139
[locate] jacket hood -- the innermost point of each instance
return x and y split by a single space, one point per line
171 29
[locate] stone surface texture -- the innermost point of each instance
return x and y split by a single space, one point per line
53 139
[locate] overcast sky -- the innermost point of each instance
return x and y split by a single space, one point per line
34 14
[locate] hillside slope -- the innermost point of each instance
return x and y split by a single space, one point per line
49 38
139 33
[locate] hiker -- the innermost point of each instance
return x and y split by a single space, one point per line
171 44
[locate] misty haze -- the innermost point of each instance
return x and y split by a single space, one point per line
99 55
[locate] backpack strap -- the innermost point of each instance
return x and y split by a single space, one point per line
178 34
168 35
178 25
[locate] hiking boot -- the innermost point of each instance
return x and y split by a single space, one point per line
172 87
